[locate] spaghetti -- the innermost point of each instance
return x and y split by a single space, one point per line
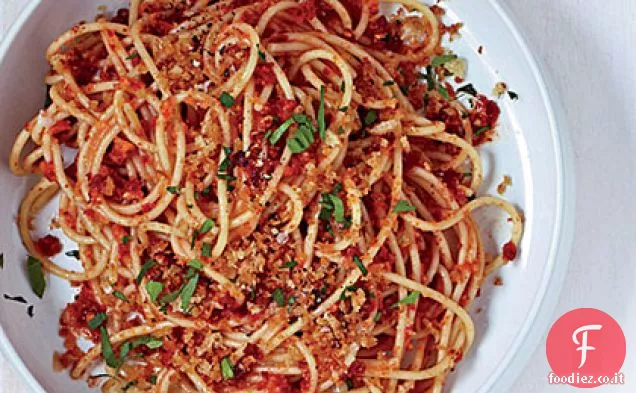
267 196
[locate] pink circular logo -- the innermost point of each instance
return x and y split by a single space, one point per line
586 348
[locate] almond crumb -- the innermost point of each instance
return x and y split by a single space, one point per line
500 89
503 186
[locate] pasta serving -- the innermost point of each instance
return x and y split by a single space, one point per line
267 196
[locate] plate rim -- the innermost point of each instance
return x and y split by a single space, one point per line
6 348
536 324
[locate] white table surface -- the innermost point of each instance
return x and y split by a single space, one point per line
589 48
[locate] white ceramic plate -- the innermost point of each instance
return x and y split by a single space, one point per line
531 148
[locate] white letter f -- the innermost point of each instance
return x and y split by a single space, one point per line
584 347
